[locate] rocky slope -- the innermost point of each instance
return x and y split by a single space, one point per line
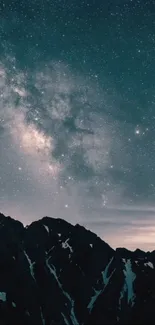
54 273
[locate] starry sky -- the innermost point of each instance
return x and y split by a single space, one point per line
77 115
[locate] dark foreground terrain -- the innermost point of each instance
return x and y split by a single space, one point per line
54 273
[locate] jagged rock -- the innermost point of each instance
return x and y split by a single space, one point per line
52 272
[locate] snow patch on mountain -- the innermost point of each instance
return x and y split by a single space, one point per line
30 265
42 317
3 296
13 304
46 227
65 319
105 276
130 277
93 299
66 245
150 264
52 270
106 280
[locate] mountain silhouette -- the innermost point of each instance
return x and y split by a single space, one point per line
52 272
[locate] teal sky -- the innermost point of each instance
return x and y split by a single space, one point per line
77 115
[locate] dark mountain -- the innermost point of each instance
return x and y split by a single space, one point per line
54 273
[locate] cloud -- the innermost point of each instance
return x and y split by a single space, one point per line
123 226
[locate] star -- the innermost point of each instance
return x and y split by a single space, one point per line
137 131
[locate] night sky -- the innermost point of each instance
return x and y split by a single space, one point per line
77 115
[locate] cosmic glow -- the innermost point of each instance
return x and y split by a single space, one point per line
77 115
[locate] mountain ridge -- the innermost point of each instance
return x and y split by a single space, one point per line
53 272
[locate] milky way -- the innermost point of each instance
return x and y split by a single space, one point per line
77 116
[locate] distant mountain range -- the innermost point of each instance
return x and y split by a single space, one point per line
54 273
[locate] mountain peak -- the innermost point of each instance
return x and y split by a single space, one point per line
52 272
